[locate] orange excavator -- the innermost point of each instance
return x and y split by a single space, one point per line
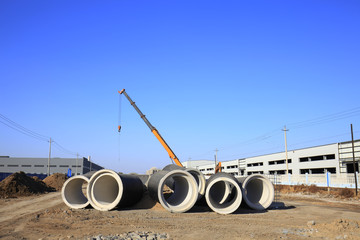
157 134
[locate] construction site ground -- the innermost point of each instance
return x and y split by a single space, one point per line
297 216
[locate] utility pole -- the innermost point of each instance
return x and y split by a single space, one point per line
48 171
286 152
216 150
354 166
77 156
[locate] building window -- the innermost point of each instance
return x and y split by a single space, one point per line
317 170
280 172
317 158
13 165
330 156
282 161
255 164
64 166
304 171
2 165
25 165
232 166
255 172
39 166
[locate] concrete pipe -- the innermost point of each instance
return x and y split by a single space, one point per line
183 194
199 177
223 193
72 192
108 190
258 191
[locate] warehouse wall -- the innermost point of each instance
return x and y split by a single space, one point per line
39 166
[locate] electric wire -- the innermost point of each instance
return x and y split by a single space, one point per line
302 124
21 129
327 118
64 150
10 123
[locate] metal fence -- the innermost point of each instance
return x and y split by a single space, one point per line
345 180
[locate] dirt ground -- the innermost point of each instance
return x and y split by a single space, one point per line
297 217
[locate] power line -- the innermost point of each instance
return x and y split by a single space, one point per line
21 129
327 118
64 150
25 133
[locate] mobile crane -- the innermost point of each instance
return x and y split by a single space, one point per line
153 130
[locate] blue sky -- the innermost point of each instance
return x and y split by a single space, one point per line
207 74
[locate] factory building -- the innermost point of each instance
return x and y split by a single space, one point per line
336 158
39 166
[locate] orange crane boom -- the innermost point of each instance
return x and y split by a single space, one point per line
153 130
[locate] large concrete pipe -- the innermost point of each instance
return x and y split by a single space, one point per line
183 187
199 177
223 193
72 191
108 190
258 191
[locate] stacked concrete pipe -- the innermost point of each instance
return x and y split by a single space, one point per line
199 177
223 193
107 190
258 191
72 193
183 185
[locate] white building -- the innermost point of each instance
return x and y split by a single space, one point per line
334 158
39 166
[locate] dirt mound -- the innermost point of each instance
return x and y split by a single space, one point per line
19 184
343 193
55 181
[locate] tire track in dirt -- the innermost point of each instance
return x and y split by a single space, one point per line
29 206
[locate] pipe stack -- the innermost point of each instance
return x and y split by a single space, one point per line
177 189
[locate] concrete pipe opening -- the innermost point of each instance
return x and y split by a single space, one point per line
198 176
108 190
223 193
258 192
73 192
181 196
90 186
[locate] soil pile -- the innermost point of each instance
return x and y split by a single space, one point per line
19 184
342 193
55 181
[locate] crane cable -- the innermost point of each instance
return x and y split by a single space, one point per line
119 126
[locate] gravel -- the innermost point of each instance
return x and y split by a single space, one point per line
137 235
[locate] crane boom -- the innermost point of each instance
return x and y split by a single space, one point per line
153 130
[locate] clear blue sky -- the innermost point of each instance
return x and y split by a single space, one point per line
207 74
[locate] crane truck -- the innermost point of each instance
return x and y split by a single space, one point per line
157 134
153 130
